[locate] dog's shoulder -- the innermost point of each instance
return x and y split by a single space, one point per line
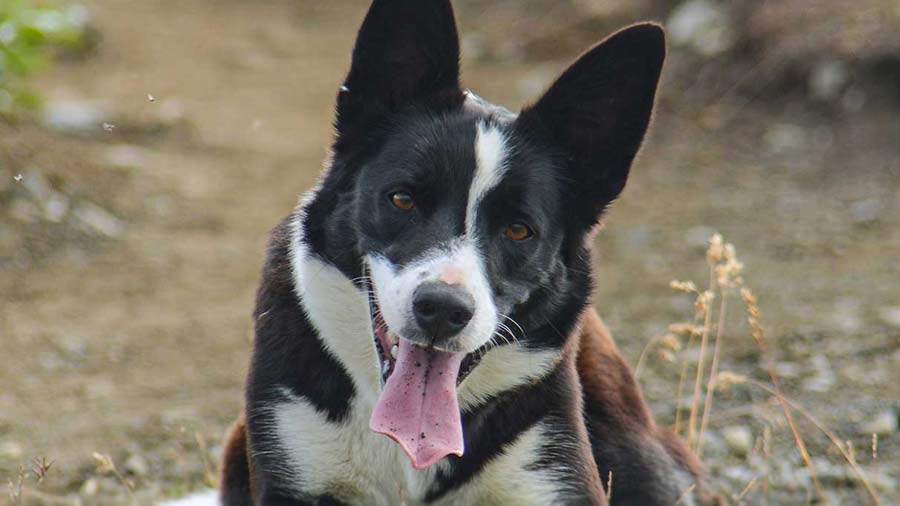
646 463
606 379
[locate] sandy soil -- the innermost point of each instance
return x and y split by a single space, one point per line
136 346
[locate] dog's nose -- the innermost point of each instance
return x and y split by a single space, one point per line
442 310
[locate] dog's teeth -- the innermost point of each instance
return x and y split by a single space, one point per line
394 351
385 367
392 338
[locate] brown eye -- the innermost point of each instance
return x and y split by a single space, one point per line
402 201
517 232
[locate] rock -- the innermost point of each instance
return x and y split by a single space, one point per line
890 316
828 79
847 315
99 220
90 487
884 422
823 377
73 116
714 446
788 370
137 465
865 211
786 138
882 480
125 157
740 475
56 207
701 25
739 439
11 450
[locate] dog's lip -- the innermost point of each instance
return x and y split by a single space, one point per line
385 340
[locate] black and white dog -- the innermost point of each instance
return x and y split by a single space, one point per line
423 328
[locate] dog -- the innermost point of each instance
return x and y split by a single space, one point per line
423 327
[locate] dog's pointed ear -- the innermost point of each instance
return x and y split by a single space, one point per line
406 50
598 110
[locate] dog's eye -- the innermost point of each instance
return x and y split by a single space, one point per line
517 232
402 201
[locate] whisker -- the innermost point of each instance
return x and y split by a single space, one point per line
514 323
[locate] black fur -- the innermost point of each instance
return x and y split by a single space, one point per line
403 123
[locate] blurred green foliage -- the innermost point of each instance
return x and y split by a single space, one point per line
31 31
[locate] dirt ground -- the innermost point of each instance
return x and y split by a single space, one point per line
135 345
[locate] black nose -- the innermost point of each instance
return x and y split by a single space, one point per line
442 310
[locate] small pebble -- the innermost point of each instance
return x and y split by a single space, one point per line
136 465
890 316
90 487
72 116
884 422
823 377
11 450
739 439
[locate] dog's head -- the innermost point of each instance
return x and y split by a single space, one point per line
470 223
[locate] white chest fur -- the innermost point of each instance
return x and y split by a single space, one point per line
349 462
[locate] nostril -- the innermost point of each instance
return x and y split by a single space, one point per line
425 308
460 317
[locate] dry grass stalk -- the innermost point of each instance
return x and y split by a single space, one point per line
684 495
210 471
753 317
752 483
698 378
725 275
845 451
105 465
835 441
728 276
713 370
15 487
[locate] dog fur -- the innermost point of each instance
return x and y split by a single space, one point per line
551 415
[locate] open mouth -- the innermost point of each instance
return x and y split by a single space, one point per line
418 406
387 344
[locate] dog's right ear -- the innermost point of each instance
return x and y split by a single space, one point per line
406 51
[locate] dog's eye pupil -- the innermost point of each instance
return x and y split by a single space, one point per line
517 232
402 201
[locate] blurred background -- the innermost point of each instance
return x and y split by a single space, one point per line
146 148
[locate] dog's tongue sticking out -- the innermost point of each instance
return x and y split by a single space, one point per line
418 407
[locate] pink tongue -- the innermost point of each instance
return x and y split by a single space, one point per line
418 407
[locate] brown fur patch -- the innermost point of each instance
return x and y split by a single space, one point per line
606 378
235 480
611 390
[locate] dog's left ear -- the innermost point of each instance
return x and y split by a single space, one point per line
407 51
597 112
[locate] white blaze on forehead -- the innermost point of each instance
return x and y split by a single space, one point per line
490 166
